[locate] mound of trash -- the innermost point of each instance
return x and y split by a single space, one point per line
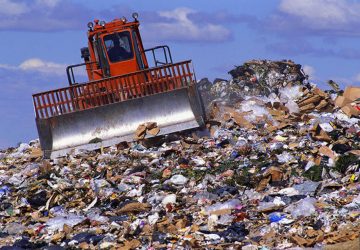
277 166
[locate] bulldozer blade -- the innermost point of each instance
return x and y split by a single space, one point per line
108 125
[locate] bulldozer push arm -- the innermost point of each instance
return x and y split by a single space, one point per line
122 93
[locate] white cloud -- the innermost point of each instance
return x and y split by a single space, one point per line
322 13
37 65
16 8
12 8
310 71
5 66
43 15
180 28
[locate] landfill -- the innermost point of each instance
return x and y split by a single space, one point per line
277 167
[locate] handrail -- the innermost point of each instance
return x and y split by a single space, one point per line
70 72
109 78
166 51
113 89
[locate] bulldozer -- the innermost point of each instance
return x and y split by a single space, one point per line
127 86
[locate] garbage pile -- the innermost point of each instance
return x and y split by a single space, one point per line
257 78
276 168
276 81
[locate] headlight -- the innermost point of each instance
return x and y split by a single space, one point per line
123 19
135 16
102 23
90 25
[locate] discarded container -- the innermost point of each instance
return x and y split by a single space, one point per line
303 208
228 205
276 217
178 179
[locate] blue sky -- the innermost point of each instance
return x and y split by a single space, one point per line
40 37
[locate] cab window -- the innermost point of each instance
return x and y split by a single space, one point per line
118 46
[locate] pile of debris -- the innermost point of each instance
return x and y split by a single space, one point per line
276 168
279 82
262 77
255 78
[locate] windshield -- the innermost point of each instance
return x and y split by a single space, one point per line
118 46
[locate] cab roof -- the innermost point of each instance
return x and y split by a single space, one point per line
110 27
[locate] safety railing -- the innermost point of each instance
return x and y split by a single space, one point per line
165 51
113 90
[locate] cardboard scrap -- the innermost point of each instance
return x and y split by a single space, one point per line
324 150
319 134
277 114
239 117
166 226
310 100
35 153
349 245
355 152
153 131
301 241
181 223
348 233
142 130
275 173
135 207
319 92
221 212
241 121
57 237
321 105
263 183
341 101
352 93
271 175
349 102
314 99
350 110
307 107
132 244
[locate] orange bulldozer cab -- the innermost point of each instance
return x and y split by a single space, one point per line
117 46
115 49
122 92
